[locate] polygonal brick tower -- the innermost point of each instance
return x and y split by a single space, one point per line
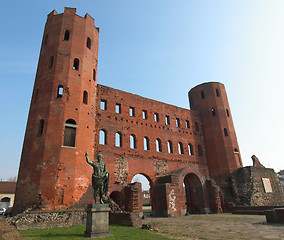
60 127
210 99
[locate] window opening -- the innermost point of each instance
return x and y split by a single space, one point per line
202 95
196 126
228 113
213 111
236 151
190 150
132 141
178 122
158 145
167 120
187 123
66 35
118 142
146 144
40 129
51 59
170 147
156 117
199 148
70 133
144 114
103 137
85 97
117 108
180 148
217 93
103 105
131 112
226 132
89 42
59 91
76 64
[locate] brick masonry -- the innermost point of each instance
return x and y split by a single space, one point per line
71 114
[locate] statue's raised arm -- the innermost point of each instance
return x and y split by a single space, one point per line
87 158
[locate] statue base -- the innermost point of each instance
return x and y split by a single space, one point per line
97 221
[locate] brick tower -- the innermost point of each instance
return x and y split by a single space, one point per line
61 123
210 99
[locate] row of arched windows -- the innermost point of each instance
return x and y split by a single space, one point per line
146 143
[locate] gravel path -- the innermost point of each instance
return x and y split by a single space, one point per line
218 226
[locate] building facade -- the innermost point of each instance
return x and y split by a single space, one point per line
180 151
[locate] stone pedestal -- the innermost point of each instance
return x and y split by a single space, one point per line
97 220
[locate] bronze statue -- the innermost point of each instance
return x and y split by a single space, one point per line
100 177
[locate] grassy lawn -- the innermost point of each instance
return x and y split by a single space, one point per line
77 232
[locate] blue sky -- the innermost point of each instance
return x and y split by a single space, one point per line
160 49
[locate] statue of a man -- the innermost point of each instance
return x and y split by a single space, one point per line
100 177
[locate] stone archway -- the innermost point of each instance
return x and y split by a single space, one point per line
151 209
193 194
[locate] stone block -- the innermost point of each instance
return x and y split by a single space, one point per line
97 220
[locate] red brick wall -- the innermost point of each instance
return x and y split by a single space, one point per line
49 171
222 155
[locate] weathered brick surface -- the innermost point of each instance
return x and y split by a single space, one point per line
55 176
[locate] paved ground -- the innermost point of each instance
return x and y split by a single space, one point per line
218 226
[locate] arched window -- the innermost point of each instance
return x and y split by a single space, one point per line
158 145
40 129
89 43
85 97
103 137
236 151
156 117
190 149
228 113
202 95
199 148
118 139
94 74
70 133
51 59
226 132
59 91
66 35
132 141
180 148
76 64
170 146
217 93
146 144
213 111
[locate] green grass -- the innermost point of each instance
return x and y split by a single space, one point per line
77 232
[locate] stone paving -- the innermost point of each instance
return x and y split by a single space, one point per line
218 226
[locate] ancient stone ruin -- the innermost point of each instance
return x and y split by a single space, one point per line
190 157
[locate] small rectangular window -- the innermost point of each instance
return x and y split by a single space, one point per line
117 108
167 120
178 122
103 105
131 112
187 124
156 117
144 114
